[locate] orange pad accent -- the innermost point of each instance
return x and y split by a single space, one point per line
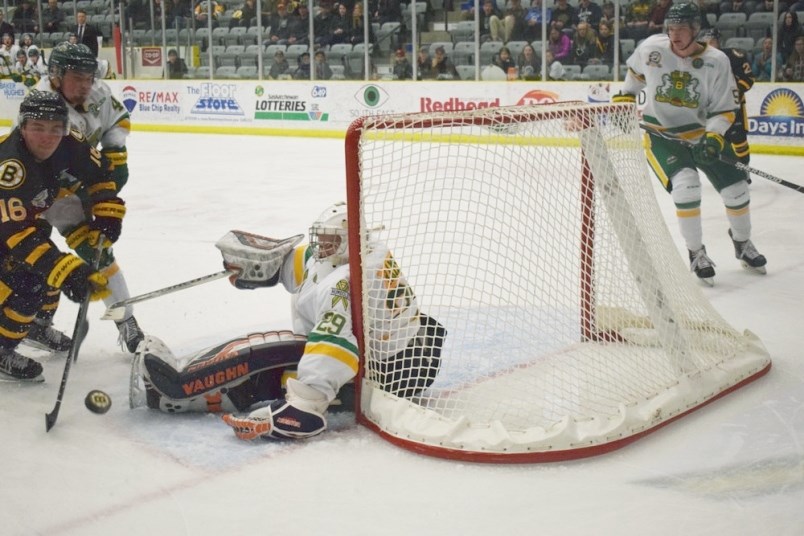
247 428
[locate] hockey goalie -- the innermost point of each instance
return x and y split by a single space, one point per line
280 384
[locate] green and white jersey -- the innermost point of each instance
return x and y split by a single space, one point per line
684 96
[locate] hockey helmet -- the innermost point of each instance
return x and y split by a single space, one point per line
328 235
708 34
68 56
43 106
686 13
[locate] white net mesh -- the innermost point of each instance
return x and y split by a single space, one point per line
571 320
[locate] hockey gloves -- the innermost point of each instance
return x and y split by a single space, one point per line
280 420
623 97
77 280
107 220
619 119
708 148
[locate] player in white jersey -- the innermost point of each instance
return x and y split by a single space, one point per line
690 93
241 373
104 122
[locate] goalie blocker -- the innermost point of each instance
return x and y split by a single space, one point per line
243 373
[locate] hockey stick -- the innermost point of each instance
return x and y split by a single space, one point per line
79 334
725 160
117 310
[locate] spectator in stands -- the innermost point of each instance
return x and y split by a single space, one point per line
636 20
139 11
584 46
504 61
424 65
5 28
244 15
441 66
491 25
530 65
358 33
177 68
794 67
322 24
178 13
762 65
53 17
533 21
514 21
788 33
300 26
341 26
402 70
766 6
605 45
559 44
555 71
280 26
280 68
85 33
737 6
608 14
590 13
564 15
320 66
303 70
201 13
25 17
656 16
386 11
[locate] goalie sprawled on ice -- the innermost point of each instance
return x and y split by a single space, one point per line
291 378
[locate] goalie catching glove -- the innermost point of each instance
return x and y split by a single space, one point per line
254 259
708 148
77 280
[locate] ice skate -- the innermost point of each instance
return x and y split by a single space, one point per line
702 265
130 334
748 255
44 336
16 367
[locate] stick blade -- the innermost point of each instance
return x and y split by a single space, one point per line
114 312
50 418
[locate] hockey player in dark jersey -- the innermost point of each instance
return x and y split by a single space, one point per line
737 135
33 271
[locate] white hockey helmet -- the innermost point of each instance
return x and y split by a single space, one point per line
328 235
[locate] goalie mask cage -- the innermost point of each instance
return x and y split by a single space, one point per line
532 234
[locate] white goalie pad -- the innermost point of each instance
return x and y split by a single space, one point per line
256 258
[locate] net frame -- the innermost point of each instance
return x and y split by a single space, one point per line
588 128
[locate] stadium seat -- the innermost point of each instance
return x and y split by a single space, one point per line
226 72
743 43
463 53
488 50
466 72
247 71
597 72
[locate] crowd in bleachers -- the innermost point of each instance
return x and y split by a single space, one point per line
577 37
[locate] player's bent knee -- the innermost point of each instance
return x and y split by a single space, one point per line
686 186
736 195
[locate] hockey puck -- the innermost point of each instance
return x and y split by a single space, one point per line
98 402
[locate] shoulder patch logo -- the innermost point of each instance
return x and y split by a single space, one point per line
12 174
340 294
654 59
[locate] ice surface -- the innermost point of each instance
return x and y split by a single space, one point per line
734 467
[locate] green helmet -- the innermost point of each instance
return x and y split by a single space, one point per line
67 56
44 106
686 13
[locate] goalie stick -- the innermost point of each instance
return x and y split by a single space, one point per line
739 165
117 310
79 333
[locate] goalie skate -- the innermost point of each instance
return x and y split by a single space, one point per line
702 265
751 259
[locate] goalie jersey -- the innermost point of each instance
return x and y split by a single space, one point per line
322 310
686 96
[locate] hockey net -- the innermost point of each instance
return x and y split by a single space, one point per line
532 234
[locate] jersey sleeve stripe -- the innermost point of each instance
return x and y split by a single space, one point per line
333 351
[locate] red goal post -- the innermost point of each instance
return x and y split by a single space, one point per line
532 235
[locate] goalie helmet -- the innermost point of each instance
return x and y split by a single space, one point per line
686 13
68 56
328 235
43 106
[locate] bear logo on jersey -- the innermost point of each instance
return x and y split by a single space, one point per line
12 174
